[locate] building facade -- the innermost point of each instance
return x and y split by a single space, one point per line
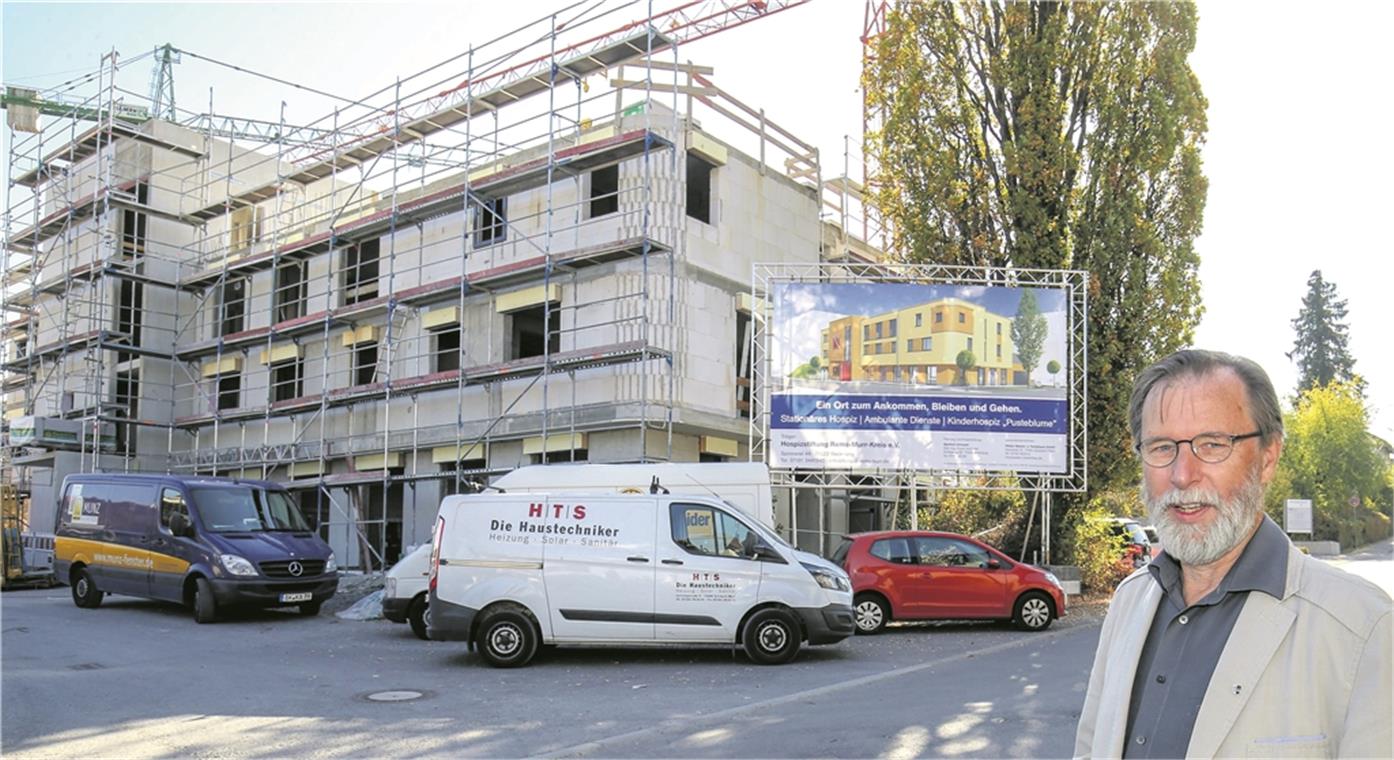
921 345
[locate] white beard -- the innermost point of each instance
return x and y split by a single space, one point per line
1196 545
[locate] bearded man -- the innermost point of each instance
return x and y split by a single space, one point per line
1231 643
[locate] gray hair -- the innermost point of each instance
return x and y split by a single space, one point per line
1196 363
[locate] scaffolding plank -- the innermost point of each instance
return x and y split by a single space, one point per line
506 181
263 192
512 273
86 145
597 356
449 114
531 268
28 238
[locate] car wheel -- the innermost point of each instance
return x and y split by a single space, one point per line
507 639
310 609
1033 612
870 613
205 605
419 616
771 637
85 592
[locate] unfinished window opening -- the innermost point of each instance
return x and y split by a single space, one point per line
604 191
244 227
289 297
699 188
565 455
287 380
133 225
360 267
445 351
382 525
365 363
232 307
130 310
490 221
126 398
229 392
743 326
458 474
534 332
21 348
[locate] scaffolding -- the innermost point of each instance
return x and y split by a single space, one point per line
512 257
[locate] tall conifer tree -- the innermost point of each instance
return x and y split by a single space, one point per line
1320 349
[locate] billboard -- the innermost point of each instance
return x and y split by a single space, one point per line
915 376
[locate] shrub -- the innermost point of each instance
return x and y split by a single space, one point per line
1096 548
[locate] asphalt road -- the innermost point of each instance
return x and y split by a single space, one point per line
141 679
138 679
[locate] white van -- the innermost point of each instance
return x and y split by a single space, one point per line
512 571
744 485
404 592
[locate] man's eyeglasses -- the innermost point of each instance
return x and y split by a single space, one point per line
1211 448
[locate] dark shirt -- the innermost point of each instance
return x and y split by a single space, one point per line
1184 643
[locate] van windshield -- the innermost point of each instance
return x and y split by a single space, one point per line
229 510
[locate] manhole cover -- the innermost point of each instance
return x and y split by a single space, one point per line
396 695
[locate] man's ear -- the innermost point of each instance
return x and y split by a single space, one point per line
1270 455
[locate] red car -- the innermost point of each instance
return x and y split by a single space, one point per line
921 575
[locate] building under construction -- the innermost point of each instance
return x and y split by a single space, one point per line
544 261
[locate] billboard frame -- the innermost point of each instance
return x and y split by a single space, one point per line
1075 479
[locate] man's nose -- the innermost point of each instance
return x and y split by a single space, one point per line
1185 471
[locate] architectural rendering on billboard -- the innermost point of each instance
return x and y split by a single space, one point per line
912 376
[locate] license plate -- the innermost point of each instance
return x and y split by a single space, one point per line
299 596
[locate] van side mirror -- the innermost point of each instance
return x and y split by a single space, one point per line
179 525
765 553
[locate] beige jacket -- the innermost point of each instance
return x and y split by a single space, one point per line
1306 676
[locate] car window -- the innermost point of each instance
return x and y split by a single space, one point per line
703 529
171 503
226 510
895 550
1136 534
840 553
948 552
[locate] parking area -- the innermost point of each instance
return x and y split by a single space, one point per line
138 678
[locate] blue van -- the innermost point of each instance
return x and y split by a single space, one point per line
207 543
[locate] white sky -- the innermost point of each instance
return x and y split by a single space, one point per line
1297 156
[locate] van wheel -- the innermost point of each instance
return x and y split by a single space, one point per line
870 613
507 639
1033 612
419 616
205 606
310 609
85 592
771 637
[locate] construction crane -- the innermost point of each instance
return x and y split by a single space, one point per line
68 108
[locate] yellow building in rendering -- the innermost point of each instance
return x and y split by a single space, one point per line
920 345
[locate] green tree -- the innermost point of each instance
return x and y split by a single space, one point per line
1320 349
1029 332
1330 457
1048 135
965 361
1053 367
809 369
1094 546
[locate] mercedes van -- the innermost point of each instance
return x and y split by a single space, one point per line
510 572
208 543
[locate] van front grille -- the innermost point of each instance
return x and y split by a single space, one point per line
281 568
